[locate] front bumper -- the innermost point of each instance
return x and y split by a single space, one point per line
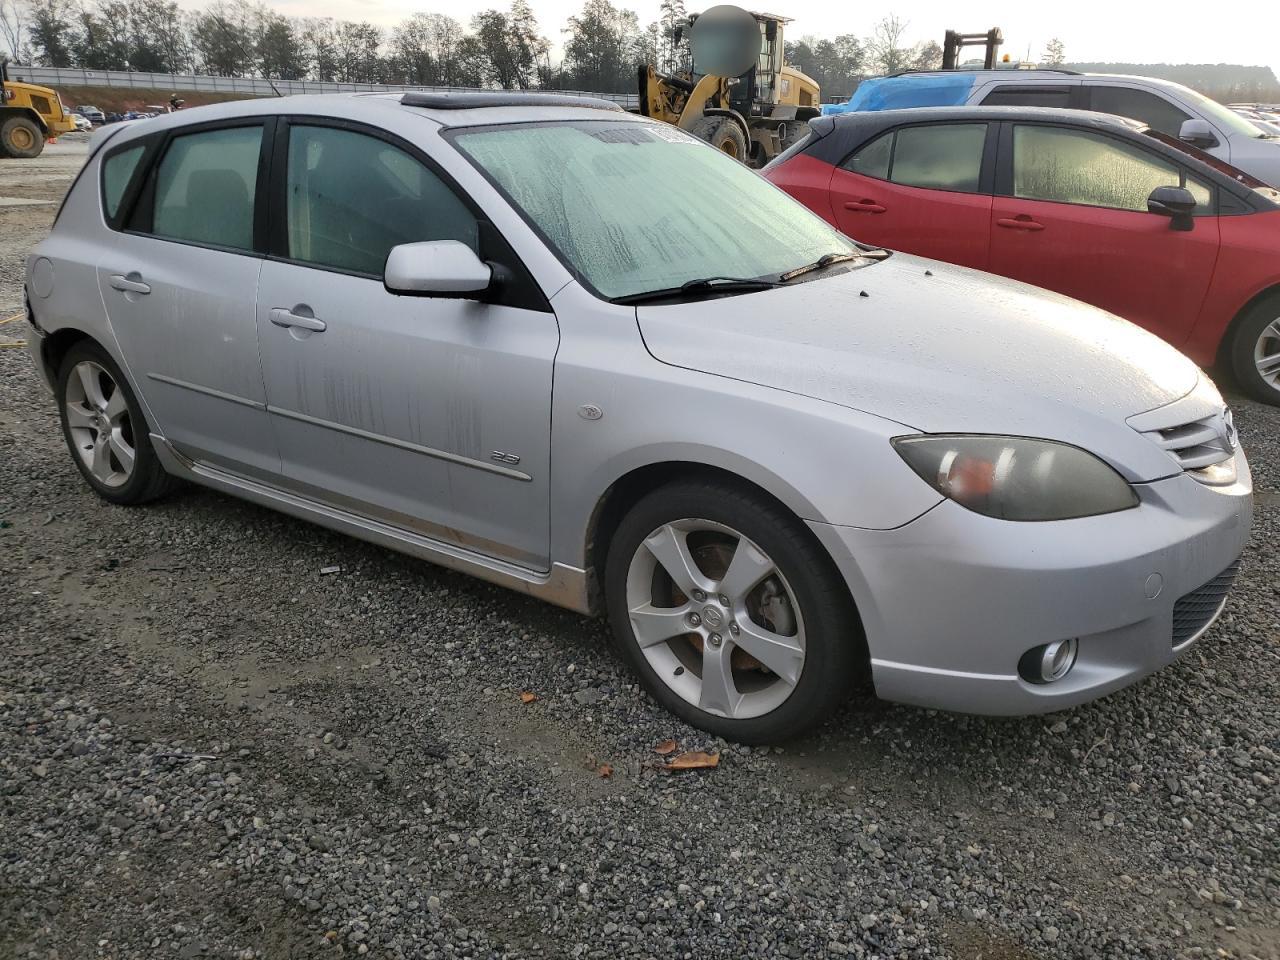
952 600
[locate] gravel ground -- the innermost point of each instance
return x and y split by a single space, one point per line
208 748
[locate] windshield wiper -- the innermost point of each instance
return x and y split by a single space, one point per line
820 264
701 285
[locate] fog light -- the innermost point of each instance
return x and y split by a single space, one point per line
1050 662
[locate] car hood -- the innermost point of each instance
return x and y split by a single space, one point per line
1258 157
939 349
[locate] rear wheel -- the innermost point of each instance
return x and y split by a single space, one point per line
20 137
105 430
730 612
1255 351
723 134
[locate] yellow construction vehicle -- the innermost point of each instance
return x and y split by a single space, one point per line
739 96
29 115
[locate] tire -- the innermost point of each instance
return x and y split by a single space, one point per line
1255 351
723 134
785 592
20 137
103 426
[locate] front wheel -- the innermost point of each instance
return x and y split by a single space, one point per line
21 138
723 134
730 612
1255 351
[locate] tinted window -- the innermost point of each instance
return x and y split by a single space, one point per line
1154 111
872 159
1073 166
116 171
205 187
946 157
1012 95
335 223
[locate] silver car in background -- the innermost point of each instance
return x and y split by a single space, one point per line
585 356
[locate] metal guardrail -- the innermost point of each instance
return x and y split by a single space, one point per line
254 86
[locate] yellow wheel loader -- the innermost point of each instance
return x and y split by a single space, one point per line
29 115
739 96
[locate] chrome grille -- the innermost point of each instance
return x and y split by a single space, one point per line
1197 609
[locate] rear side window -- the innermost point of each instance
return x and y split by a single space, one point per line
117 170
940 156
1156 112
872 159
352 197
1028 95
945 157
205 187
1075 166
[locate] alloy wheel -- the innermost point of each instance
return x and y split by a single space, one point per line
715 618
1266 354
99 423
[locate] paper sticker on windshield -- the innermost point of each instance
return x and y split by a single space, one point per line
632 133
671 134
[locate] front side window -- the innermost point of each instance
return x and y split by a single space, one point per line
939 156
1156 112
352 197
205 187
1075 166
635 207
117 169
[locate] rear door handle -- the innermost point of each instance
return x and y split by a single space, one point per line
284 317
864 206
130 284
1020 222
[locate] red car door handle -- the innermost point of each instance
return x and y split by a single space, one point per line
1020 222
864 206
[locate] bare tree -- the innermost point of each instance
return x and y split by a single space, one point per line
885 50
11 28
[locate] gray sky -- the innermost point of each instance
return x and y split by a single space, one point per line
1092 30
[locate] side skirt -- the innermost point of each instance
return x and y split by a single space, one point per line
564 586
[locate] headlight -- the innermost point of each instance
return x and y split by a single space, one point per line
1013 478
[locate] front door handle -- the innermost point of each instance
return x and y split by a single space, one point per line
130 284
1021 222
284 317
864 206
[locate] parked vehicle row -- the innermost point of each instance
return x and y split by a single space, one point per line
1109 211
1164 106
584 355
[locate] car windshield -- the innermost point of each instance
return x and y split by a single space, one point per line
634 207
1230 121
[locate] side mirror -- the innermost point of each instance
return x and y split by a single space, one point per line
1177 203
436 268
1198 133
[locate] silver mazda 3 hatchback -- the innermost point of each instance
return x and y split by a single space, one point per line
583 355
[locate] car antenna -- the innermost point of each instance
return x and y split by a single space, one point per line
274 87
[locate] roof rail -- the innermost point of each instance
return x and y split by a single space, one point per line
1012 73
496 98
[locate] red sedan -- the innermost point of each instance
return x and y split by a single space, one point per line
1096 207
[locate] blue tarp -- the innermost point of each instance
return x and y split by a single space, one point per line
912 90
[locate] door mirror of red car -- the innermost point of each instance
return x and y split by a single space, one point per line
1176 203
